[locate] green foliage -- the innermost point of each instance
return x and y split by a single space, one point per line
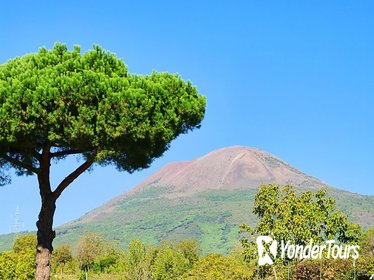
136 253
89 249
20 263
108 258
152 216
286 215
168 260
190 250
8 264
218 267
57 102
334 269
94 254
90 103
298 218
365 265
25 268
137 263
25 243
62 259
62 254
211 217
367 243
169 263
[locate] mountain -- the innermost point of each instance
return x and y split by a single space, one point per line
229 169
205 199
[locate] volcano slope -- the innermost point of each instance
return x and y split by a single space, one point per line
204 199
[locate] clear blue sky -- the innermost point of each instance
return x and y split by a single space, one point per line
294 78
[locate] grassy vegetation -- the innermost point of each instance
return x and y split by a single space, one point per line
211 217
169 260
158 234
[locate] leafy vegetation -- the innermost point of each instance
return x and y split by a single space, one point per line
299 218
215 266
212 217
58 103
158 214
102 259
20 262
285 215
168 260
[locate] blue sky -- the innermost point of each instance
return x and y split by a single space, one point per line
294 78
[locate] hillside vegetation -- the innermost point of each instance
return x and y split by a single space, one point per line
96 258
205 199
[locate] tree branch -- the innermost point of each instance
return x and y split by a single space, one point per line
36 155
65 153
72 176
19 164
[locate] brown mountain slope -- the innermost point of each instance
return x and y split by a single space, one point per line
229 168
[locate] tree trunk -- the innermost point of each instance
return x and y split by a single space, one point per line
45 238
45 222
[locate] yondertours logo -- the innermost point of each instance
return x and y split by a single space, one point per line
267 248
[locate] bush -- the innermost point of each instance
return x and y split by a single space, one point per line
325 269
62 260
20 263
169 263
218 267
89 248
